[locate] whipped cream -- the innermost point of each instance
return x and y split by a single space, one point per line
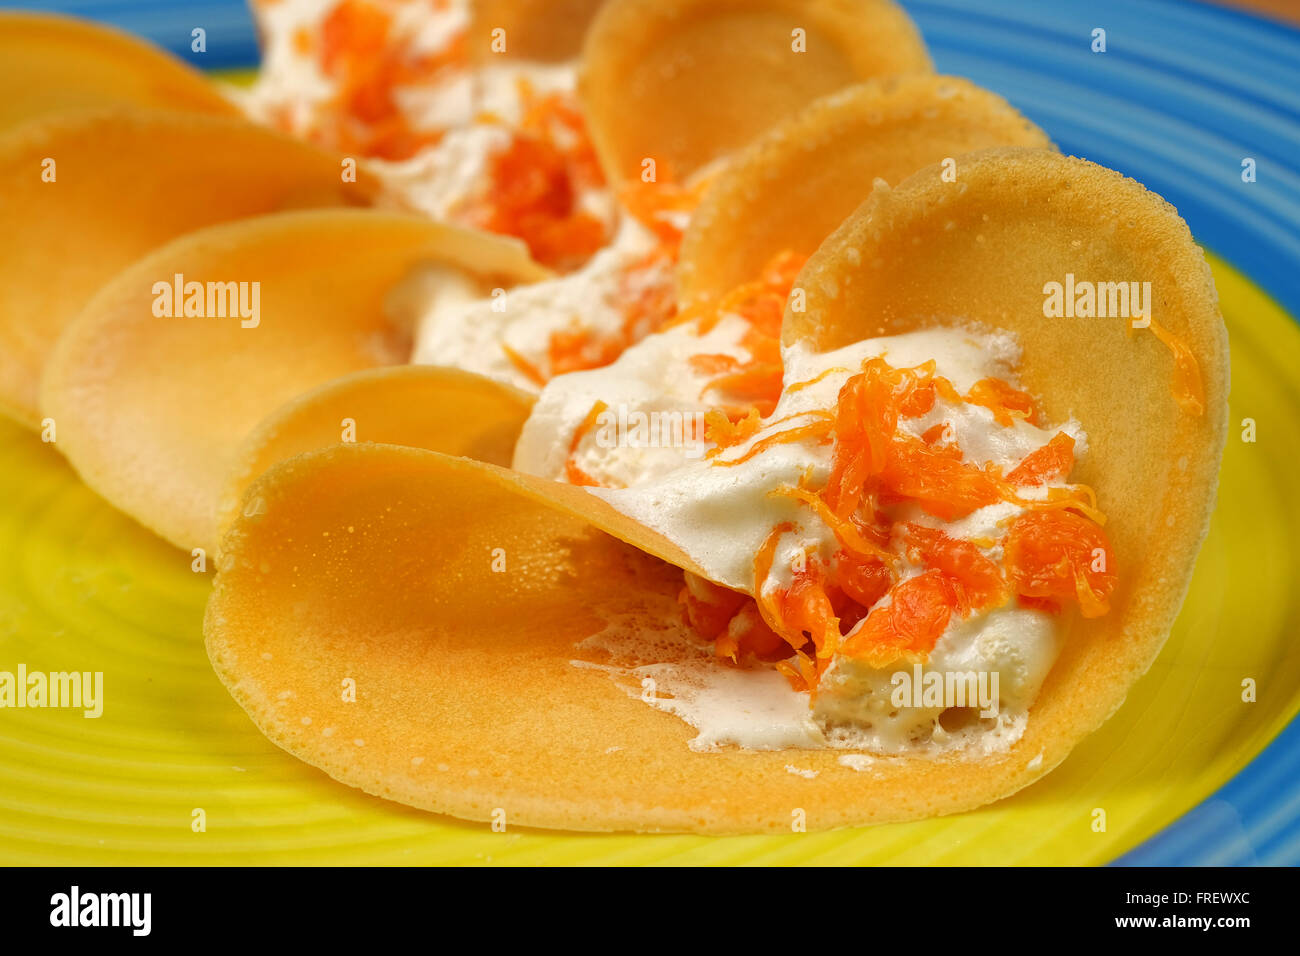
721 515
474 104
291 90
479 110
652 378
671 671
856 704
592 301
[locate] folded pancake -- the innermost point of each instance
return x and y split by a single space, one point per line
53 64
376 563
454 592
685 82
153 402
791 188
424 406
123 183
1154 400
545 30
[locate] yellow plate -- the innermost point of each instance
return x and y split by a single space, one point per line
83 588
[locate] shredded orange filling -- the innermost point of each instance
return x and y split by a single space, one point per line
572 473
662 205
1054 554
855 540
1007 404
763 562
730 620
724 432
646 290
977 579
753 384
910 625
1052 462
819 427
537 181
359 52
1061 556
525 368
1187 387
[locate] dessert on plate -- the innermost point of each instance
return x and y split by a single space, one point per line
658 411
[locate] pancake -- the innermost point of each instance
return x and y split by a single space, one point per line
545 30
153 411
383 564
983 249
125 183
441 409
54 64
685 82
792 187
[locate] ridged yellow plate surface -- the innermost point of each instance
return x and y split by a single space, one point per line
83 588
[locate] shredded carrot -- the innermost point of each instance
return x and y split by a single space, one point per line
1059 555
661 204
863 579
525 367
977 578
756 382
535 199
537 181
803 615
819 428
573 474
936 434
872 459
1079 498
709 607
807 613
725 433
1008 404
1187 386
358 49
848 536
910 625
1051 462
800 386
763 562
713 363
838 607
571 350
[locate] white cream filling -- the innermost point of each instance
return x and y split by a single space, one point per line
721 516
669 670
491 90
859 706
446 181
476 107
479 109
653 379
289 84
592 300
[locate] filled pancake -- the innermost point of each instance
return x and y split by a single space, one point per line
1002 557
723 424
